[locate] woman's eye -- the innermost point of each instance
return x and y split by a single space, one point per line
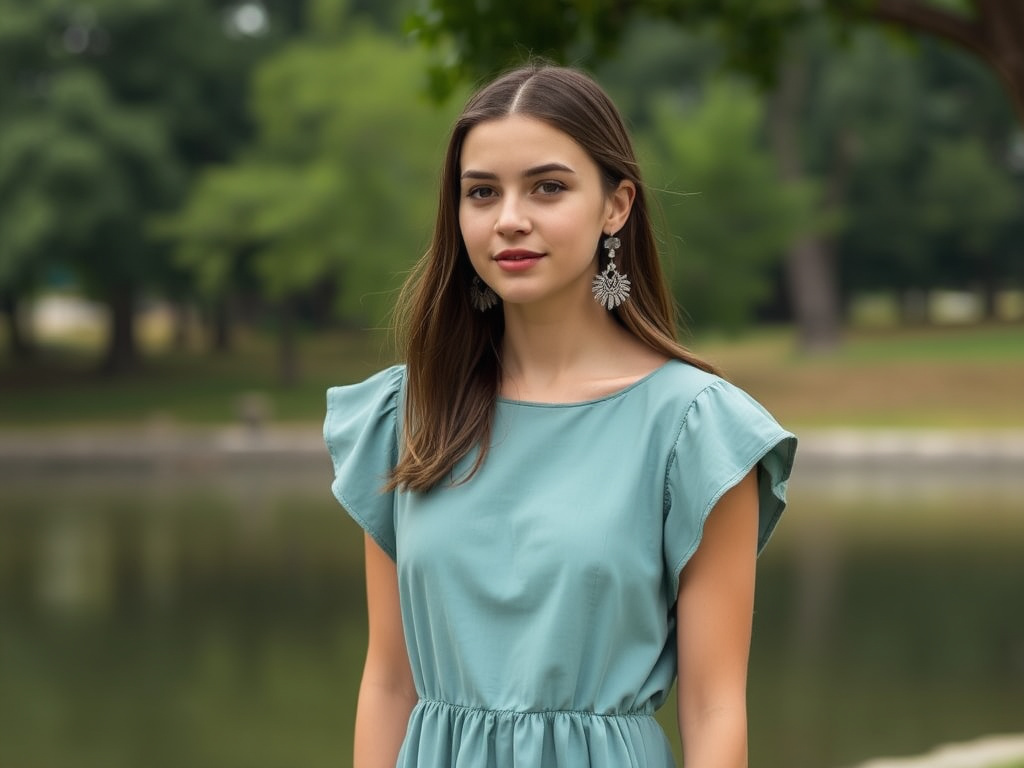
550 187
480 193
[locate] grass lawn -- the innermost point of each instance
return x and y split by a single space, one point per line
921 378
194 387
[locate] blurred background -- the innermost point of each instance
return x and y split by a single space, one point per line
206 210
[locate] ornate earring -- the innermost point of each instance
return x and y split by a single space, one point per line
611 287
480 294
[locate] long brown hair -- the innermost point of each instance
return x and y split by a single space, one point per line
453 368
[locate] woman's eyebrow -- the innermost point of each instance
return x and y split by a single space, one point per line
535 171
547 168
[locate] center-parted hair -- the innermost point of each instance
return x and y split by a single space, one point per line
453 366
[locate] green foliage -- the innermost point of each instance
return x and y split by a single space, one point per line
866 140
77 178
340 183
327 18
918 163
963 196
725 207
480 37
107 110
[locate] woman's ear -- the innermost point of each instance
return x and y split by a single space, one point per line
620 203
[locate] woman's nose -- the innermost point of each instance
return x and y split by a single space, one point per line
512 217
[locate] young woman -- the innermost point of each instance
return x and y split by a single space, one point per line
562 504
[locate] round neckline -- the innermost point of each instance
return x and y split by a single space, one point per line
578 403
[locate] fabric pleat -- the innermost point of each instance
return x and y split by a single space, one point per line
443 735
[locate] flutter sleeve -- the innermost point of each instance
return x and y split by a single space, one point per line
724 434
361 431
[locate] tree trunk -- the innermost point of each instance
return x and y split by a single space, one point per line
810 264
180 317
810 270
288 356
18 341
913 306
122 351
220 326
989 302
989 288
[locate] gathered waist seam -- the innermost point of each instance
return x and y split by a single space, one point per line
634 714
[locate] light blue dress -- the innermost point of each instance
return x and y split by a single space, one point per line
537 598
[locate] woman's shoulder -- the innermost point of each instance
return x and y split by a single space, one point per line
361 432
386 384
370 404
685 394
681 383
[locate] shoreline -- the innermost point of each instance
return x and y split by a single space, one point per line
302 444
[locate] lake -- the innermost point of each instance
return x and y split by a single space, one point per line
214 616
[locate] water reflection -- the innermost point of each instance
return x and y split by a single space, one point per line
216 617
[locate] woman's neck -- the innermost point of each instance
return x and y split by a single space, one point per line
554 355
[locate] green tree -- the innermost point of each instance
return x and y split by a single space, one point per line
79 178
338 186
727 216
753 35
728 213
864 143
872 148
107 109
964 205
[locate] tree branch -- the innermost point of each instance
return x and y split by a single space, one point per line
915 14
994 34
1004 30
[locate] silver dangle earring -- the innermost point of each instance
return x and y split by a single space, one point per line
611 287
480 294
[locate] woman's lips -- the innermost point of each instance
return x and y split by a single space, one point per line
515 260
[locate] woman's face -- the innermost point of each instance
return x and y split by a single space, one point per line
533 209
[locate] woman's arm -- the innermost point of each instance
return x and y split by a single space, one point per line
386 694
714 615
